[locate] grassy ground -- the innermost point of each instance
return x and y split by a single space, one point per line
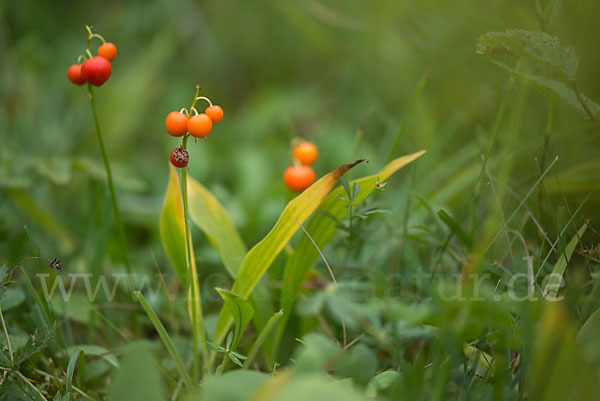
471 273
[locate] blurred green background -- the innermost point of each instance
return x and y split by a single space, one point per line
338 73
316 69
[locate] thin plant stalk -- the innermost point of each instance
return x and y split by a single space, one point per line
7 338
111 186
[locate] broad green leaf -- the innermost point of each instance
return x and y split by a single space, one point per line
535 44
212 218
260 257
556 89
240 309
322 228
554 281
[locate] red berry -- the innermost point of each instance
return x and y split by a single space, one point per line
180 157
108 50
74 74
176 123
96 70
199 125
215 113
298 178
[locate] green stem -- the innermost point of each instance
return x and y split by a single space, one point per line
111 187
197 318
7 338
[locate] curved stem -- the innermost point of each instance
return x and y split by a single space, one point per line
111 187
203 98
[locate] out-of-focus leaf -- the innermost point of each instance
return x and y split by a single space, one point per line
581 178
37 342
234 385
555 89
316 387
139 378
554 281
260 257
557 369
535 44
95 350
11 298
315 351
381 382
76 306
456 228
37 213
70 371
358 363
122 176
484 362
212 218
322 227
240 309
587 338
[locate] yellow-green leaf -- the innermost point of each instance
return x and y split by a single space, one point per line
556 277
212 218
260 257
322 228
172 230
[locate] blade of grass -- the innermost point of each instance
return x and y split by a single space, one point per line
166 339
71 370
271 323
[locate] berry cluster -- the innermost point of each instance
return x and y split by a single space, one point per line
94 70
198 125
301 176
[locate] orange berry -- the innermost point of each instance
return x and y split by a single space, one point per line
108 50
176 123
298 178
199 125
215 113
306 153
